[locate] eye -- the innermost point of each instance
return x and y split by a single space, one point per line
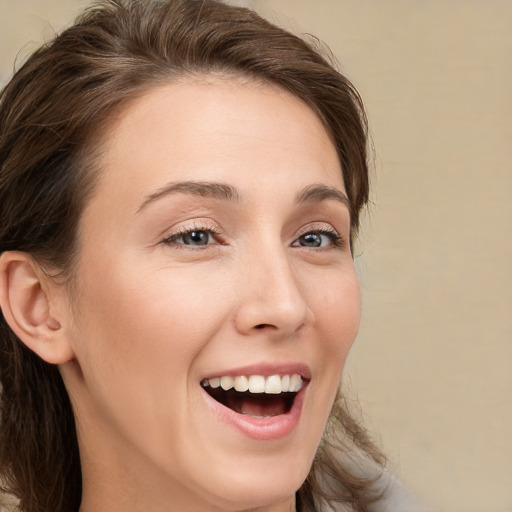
318 238
192 237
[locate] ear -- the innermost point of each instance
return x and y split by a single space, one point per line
28 299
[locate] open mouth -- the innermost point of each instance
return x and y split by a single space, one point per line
255 395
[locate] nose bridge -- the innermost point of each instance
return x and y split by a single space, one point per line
272 297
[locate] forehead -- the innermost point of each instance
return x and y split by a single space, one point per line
216 129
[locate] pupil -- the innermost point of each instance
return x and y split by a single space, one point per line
197 238
312 240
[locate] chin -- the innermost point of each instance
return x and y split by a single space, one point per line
251 490
242 480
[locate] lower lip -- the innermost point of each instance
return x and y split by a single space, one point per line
261 429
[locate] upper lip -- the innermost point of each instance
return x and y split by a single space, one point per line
265 369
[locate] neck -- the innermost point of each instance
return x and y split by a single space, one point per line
94 505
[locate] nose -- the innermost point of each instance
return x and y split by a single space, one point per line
271 299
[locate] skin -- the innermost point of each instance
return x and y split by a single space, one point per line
151 315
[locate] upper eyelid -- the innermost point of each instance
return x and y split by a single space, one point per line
214 228
338 239
193 225
334 236
174 233
179 233
317 226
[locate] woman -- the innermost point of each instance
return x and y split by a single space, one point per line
181 182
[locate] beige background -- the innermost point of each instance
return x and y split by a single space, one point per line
433 363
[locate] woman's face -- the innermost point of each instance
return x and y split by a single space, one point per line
215 250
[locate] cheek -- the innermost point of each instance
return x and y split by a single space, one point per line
338 318
146 324
138 337
337 303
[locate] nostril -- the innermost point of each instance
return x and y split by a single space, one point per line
263 326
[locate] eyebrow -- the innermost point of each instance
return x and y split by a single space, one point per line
212 190
314 193
318 192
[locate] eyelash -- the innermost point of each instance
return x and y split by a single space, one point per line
336 240
172 239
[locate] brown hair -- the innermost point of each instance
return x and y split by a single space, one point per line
50 116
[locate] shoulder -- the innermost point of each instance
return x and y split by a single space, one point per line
395 496
385 492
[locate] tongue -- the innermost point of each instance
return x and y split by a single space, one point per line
257 405
253 404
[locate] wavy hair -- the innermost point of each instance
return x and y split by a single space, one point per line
51 114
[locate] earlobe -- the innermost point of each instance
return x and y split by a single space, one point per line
25 299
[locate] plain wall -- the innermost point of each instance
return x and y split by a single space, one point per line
433 363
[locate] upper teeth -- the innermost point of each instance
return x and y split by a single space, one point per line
274 384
